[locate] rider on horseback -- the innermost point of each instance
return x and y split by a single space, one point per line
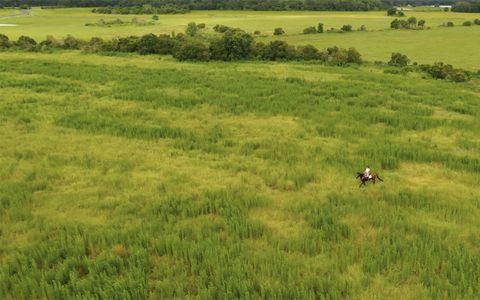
368 173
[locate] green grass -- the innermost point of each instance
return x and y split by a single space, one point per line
137 177
457 46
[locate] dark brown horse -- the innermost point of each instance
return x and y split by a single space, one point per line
364 179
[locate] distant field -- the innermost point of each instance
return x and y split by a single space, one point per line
141 177
458 46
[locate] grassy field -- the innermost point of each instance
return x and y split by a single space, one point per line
136 177
457 46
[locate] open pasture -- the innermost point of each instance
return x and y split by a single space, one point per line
134 177
457 46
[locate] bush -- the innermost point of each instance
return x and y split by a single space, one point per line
399 24
440 70
448 24
129 44
234 45
308 52
4 41
340 56
201 26
399 60
191 50
221 28
353 56
392 11
26 43
320 28
412 21
49 43
346 28
421 23
148 44
155 18
191 29
279 50
467 23
278 31
72 43
362 28
310 30
257 32
476 21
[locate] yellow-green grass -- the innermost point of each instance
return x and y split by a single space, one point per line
457 45
8 12
234 180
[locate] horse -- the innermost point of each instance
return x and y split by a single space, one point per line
364 180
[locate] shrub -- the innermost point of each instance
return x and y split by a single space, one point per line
308 52
257 32
476 21
96 44
421 23
26 43
401 14
340 56
440 70
4 41
346 28
279 50
49 43
320 28
412 21
129 44
234 45
353 56
399 60
310 30
191 29
155 18
399 24
458 75
362 28
148 44
448 24
191 50
221 28
467 23
278 31
392 11
201 26
73 43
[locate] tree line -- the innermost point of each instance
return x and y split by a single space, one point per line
465 6
230 44
268 5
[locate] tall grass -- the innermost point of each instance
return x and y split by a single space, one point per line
168 180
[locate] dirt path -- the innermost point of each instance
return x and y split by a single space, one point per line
23 12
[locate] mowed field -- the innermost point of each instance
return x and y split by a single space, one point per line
135 177
457 46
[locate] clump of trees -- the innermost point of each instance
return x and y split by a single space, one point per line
438 70
410 23
141 10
